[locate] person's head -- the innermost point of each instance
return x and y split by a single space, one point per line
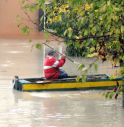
52 53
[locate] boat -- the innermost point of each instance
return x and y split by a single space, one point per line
98 81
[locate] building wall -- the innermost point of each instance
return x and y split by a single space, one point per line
9 9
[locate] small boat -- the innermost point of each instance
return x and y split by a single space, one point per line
99 81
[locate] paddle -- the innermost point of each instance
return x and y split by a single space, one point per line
77 63
61 54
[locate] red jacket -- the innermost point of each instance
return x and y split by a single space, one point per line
51 67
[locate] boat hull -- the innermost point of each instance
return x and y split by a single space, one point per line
40 84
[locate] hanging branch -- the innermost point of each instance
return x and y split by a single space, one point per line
35 23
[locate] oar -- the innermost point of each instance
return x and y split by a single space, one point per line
84 69
62 54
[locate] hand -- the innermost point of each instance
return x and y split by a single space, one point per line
63 56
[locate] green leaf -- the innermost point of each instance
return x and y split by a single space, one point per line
93 30
78 78
95 66
25 30
83 78
81 66
46 35
110 9
38 46
86 32
65 32
70 31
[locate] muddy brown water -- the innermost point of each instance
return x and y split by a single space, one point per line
50 109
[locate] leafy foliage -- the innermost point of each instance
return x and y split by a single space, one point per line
38 46
88 27
95 25
113 93
25 29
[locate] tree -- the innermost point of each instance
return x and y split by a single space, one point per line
88 27
93 26
97 25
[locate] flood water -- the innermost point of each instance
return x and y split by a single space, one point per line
48 109
58 109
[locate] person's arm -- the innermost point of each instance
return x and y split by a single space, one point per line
60 62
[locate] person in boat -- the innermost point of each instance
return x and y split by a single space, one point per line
52 66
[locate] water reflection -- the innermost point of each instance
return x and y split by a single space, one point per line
57 109
64 109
